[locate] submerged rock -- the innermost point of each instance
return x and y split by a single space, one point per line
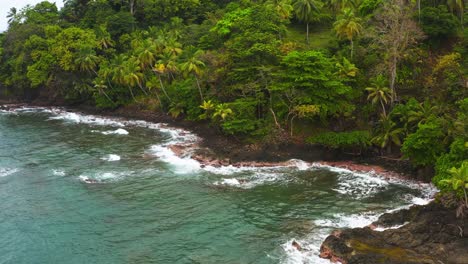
432 235
296 245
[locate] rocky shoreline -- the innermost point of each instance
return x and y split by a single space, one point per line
429 234
217 149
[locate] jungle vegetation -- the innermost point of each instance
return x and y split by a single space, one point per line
388 75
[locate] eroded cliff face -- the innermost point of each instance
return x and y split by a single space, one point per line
430 234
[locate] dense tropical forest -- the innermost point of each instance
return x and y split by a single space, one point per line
388 76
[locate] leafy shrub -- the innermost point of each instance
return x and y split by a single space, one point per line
438 22
425 145
454 158
353 139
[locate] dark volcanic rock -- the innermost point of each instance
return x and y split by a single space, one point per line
432 235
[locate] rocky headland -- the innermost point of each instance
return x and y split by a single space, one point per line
429 234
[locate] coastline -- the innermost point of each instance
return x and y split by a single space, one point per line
216 152
219 149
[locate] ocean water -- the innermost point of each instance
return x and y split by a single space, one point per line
77 188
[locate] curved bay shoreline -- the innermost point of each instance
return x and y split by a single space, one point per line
414 242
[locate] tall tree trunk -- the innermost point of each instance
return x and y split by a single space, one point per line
274 118
199 88
419 10
383 107
291 124
131 92
462 12
142 89
393 75
107 96
132 7
352 48
307 34
162 88
159 99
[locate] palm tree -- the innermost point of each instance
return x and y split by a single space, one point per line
459 180
126 71
146 53
348 26
103 37
173 47
151 85
282 7
132 74
169 60
193 65
12 15
387 133
87 60
423 113
306 11
166 65
379 92
337 5
99 84
346 69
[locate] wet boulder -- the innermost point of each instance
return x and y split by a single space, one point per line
431 234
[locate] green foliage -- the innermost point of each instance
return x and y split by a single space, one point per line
246 67
387 133
424 146
311 78
454 158
367 7
242 119
459 179
348 26
438 23
458 183
354 139
379 92
120 23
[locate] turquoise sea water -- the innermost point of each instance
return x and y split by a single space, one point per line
145 205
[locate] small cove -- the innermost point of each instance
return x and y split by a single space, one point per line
147 205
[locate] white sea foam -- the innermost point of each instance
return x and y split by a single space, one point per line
111 157
86 179
312 242
421 201
176 135
348 221
59 114
7 171
58 172
231 170
381 229
309 253
102 177
119 131
233 181
180 165
360 185
252 176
